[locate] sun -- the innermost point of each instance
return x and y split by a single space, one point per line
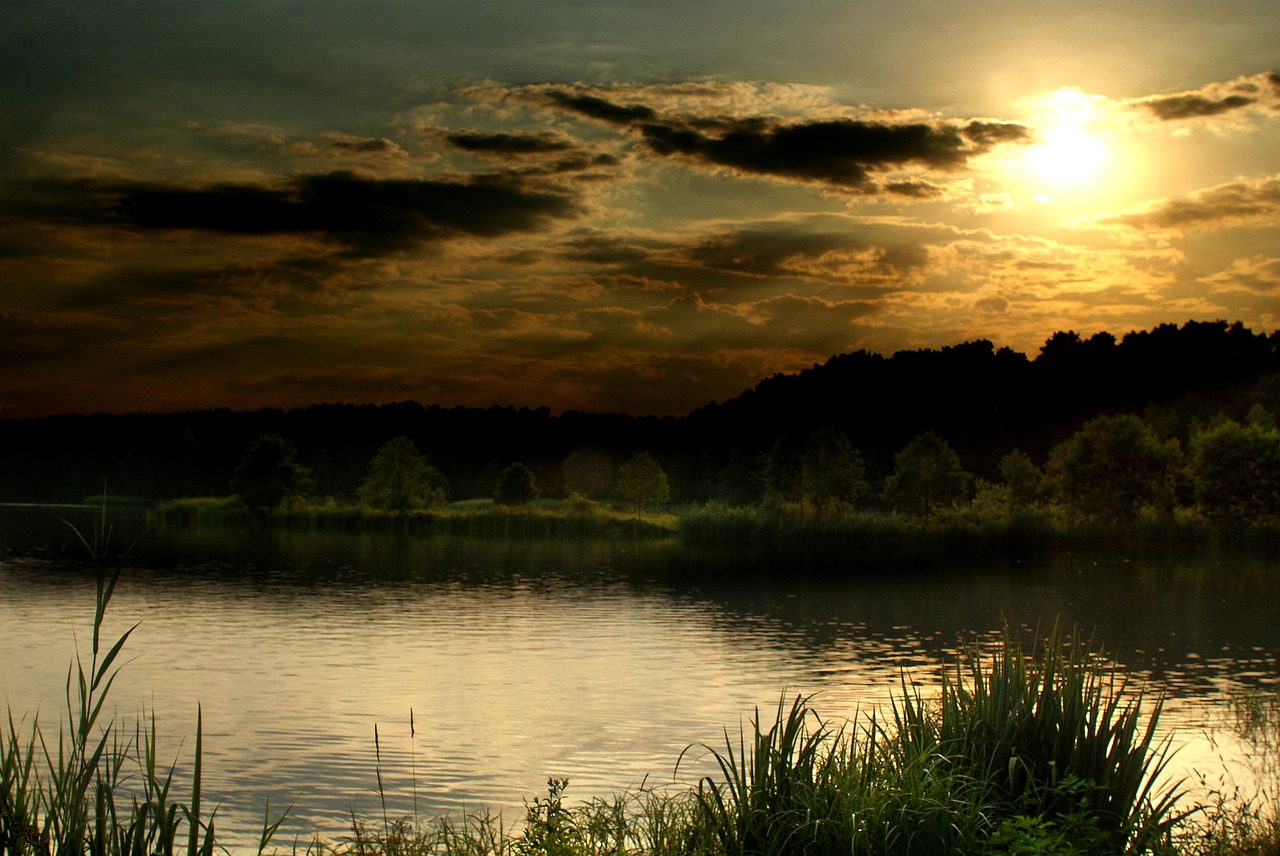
1066 157
1073 154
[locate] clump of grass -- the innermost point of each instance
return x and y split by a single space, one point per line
1040 752
1052 733
68 796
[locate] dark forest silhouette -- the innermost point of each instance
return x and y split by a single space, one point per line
983 401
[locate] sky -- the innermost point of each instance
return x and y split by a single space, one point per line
610 206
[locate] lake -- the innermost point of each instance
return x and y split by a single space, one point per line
487 667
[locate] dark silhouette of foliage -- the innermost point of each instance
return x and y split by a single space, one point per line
588 471
815 469
401 479
984 401
517 485
1023 479
641 482
927 476
268 476
1112 467
1235 472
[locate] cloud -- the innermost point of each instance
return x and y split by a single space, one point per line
774 251
1216 99
595 107
366 216
1261 275
364 145
508 144
842 153
1245 202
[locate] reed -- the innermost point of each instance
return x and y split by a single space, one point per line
1051 733
1244 821
1037 751
69 796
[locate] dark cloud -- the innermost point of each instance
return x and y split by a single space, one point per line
599 108
914 189
1227 204
508 144
365 146
795 252
988 134
367 216
1217 98
769 252
1192 106
842 153
601 249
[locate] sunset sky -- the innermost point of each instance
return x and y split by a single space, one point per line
638 206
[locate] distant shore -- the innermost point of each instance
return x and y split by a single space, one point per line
866 535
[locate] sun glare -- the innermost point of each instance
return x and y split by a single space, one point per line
1072 155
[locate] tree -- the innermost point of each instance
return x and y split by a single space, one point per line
1112 467
268 475
927 475
819 468
641 481
516 486
1022 478
1235 471
401 479
588 471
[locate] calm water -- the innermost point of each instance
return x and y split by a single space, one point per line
599 662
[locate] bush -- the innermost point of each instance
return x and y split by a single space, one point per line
516 486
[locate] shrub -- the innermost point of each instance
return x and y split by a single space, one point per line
516 486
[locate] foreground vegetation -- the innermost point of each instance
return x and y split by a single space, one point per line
1031 746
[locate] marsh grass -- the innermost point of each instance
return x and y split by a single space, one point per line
1244 820
868 535
96 789
1037 750
1051 733
482 518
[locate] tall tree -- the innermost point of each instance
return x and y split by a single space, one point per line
1235 471
1112 467
268 475
516 486
641 482
927 475
401 479
1023 479
819 469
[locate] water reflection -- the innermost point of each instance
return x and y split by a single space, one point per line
599 661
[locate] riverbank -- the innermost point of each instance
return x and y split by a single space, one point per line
855 536
480 518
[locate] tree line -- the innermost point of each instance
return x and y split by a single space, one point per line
401 479
786 439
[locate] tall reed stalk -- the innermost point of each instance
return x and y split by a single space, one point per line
1040 752
1051 733
67 797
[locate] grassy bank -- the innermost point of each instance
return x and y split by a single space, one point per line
540 519
854 535
964 533
1032 746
